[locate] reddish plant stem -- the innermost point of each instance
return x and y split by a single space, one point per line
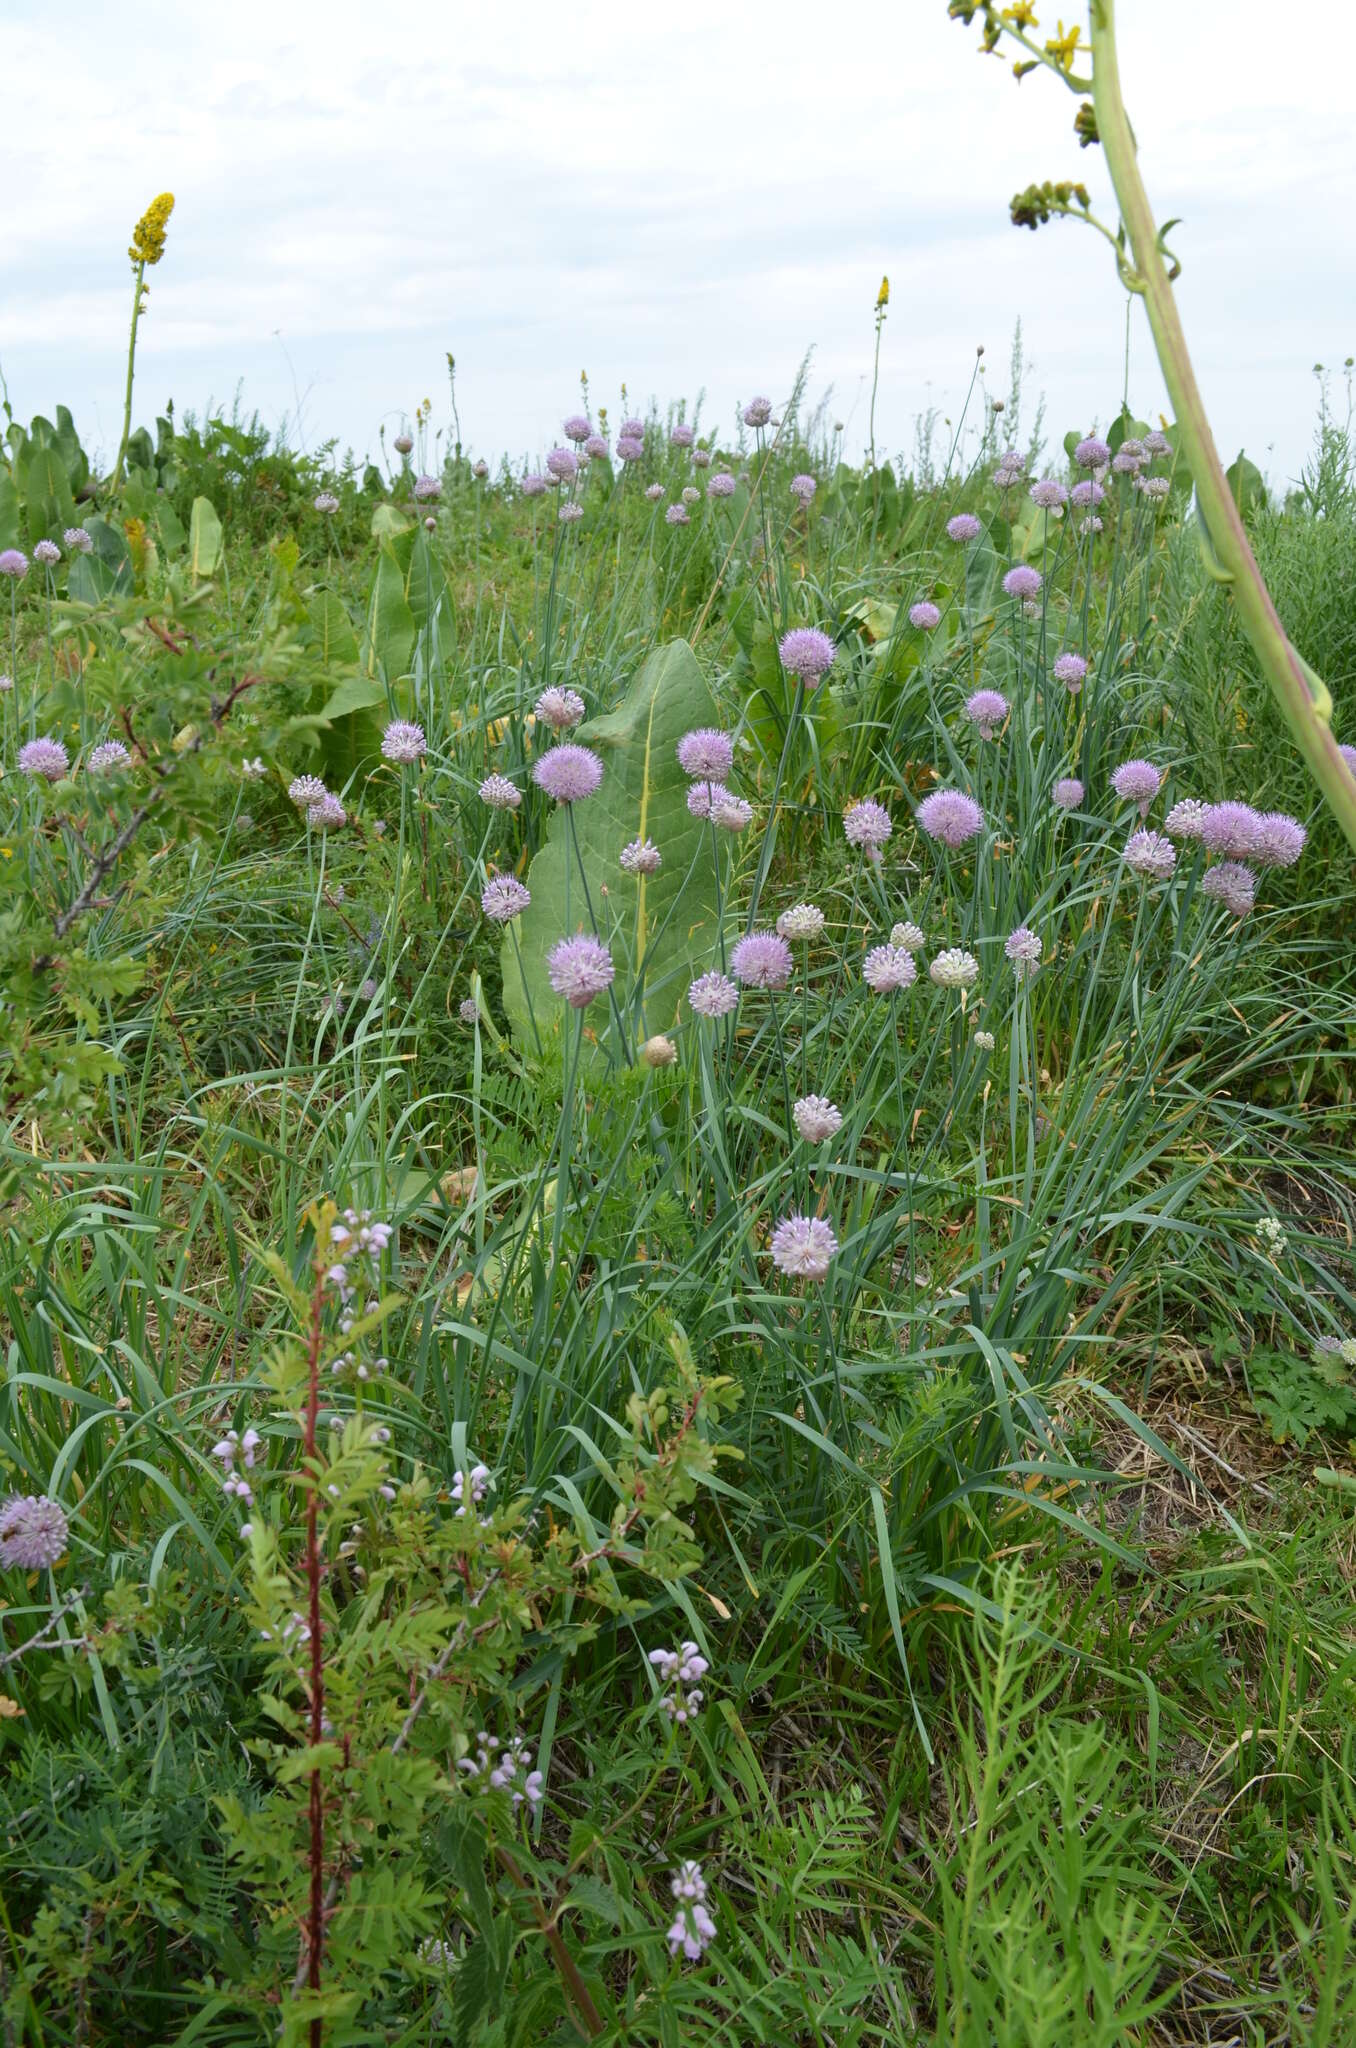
315 1932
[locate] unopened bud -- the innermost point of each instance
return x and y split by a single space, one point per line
659 1051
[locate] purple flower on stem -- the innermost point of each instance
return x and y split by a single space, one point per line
963 527
1280 840
499 793
640 857
722 485
630 447
1068 793
595 447
802 1247
803 921
654 492
807 653
925 615
77 541
758 412
816 1118
562 464
1231 884
761 960
1349 756
1022 581
1049 493
866 823
427 490
1087 493
987 709
887 969
579 969
326 813
326 503
803 487
568 773
682 436
1150 855
1092 452
108 756
1230 829
402 742
712 995
1136 782
704 799
534 486
1023 948
569 512
676 515
33 1532
577 428
1070 669
954 968
503 898
560 709
47 554
44 759
1185 819
14 564
706 752
950 816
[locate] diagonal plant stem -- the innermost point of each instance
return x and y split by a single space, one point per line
1302 696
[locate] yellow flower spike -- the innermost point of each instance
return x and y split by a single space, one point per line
883 295
148 236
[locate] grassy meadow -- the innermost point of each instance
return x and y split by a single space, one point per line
677 1288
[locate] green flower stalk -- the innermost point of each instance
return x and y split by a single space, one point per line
147 247
1147 268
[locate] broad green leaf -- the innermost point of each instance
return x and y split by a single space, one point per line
204 539
388 634
9 511
170 525
1247 486
660 927
354 693
388 521
46 491
333 637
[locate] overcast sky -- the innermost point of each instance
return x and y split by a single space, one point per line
684 199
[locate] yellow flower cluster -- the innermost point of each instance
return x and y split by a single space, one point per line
883 295
148 236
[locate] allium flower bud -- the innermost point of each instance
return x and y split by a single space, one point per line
404 443
326 503
499 793
640 857
77 541
559 708
909 937
758 412
480 469
659 1051
804 921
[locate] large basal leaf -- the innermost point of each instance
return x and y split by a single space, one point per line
661 928
204 539
388 633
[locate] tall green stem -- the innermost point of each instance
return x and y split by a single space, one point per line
137 282
1302 695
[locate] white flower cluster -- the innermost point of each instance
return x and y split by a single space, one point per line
680 1669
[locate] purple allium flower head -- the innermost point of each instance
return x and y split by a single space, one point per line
579 969
1092 452
732 813
1136 782
427 490
77 541
963 527
559 708
1232 884
569 512
1048 493
1280 840
499 793
693 1929
45 759
630 447
562 464
706 752
595 447
325 503
1185 819
701 458
682 436
47 554
305 790
803 487
987 709
577 428
503 898
633 428
712 995
951 816
1022 581
1091 525
1157 443
886 969
705 798
1150 854
107 756
761 960
866 823
468 1010
640 857
925 615
808 653
1125 462
13 563
33 1532
533 486
676 515
954 968
402 742
1068 793
568 773
1023 947
804 921
816 1118
1087 493
802 1247
654 492
1230 829
757 412
722 485
1070 669
326 814
1349 756
1155 487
